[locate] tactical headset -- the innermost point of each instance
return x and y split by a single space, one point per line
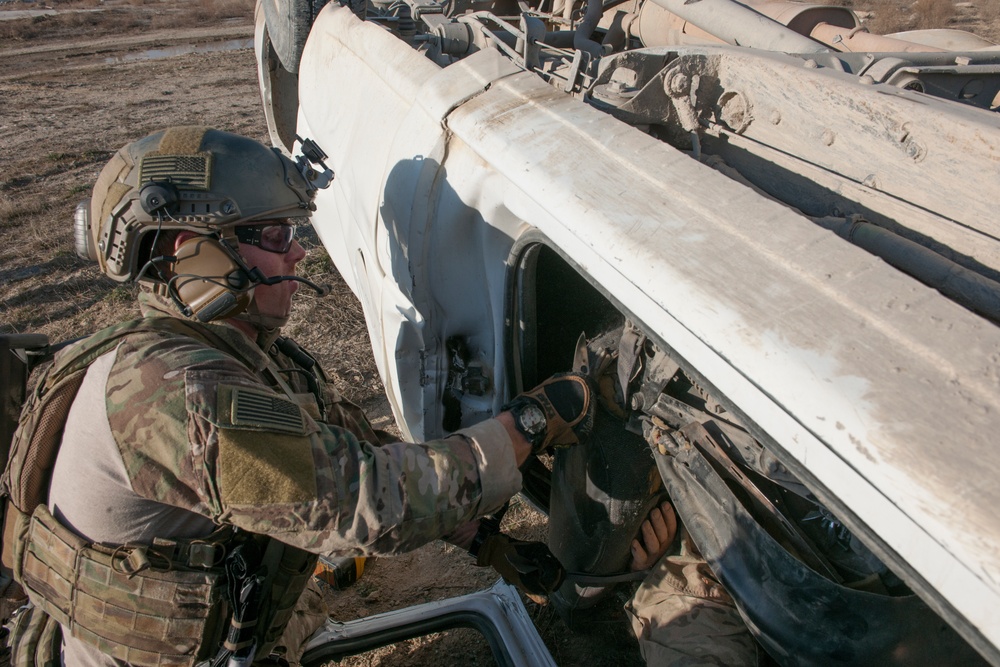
205 276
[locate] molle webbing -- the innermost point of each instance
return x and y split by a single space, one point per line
155 617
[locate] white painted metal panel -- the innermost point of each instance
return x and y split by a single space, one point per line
392 193
880 387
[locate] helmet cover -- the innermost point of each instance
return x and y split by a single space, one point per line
186 178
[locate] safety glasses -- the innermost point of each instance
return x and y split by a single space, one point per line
272 236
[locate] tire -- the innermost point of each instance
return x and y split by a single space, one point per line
278 87
288 25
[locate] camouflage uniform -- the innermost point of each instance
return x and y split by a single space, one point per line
173 437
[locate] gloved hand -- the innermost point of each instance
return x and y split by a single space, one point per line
528 565
557 413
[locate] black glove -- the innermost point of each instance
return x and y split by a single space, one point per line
528 565
557 413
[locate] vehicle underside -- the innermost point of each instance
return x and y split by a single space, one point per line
812 591
884 149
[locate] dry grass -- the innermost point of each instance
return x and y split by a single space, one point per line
989 10
221 9
97 24
933 13
14 213
888 16
882 17
75 4
128 16
989 14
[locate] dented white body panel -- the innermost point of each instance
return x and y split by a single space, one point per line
883 392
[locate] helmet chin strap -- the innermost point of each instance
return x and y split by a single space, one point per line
260 322
267 326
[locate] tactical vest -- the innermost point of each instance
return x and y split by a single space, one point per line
172 602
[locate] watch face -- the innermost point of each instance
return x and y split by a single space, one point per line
532 419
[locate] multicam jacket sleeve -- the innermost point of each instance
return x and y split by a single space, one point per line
198 429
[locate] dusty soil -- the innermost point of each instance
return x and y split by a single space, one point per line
76 86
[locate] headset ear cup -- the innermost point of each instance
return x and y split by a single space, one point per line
209 280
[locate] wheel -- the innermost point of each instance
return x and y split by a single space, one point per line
279 88
288 24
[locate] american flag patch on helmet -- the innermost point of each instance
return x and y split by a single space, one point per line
189 171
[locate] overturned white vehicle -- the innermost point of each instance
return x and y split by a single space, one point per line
789 263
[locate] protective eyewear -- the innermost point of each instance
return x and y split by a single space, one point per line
272 237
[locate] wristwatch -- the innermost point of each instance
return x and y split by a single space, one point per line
529 420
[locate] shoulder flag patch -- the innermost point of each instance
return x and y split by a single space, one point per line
265 411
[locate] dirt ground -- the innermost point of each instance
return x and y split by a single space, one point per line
77 85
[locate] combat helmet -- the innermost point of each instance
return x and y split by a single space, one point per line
196 179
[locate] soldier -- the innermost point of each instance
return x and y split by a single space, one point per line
205 459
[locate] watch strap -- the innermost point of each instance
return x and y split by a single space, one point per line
488 525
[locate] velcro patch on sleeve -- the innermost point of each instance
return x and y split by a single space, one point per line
259 468
262 410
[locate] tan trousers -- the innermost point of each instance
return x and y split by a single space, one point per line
683 617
